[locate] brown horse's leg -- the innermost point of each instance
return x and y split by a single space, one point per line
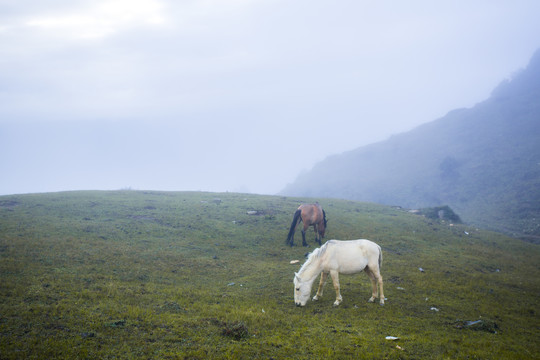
317 233
304 243
324 277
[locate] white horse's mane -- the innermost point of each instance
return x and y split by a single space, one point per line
317 253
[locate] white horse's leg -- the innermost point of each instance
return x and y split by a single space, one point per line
335 279
381 292
373 285
324 277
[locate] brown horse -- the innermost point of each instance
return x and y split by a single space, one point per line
310 215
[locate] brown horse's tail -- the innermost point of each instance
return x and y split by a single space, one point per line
296 218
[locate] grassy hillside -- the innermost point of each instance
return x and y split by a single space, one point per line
193 275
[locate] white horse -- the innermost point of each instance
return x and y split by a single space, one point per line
334 257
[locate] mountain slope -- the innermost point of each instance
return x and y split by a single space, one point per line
484 162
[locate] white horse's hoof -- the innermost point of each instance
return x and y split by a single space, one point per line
372 299
315 298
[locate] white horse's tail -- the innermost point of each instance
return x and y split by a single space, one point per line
380 257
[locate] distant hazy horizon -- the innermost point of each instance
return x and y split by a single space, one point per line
235 96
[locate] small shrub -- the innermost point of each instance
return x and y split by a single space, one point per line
116 324
235 330
441 213
478 325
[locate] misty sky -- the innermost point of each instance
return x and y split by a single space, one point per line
234 95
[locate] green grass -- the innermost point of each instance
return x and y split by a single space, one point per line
161 275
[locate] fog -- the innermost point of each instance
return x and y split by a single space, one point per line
234 95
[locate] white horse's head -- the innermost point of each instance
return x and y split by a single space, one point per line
302 290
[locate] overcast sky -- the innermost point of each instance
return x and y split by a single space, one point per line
234 95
